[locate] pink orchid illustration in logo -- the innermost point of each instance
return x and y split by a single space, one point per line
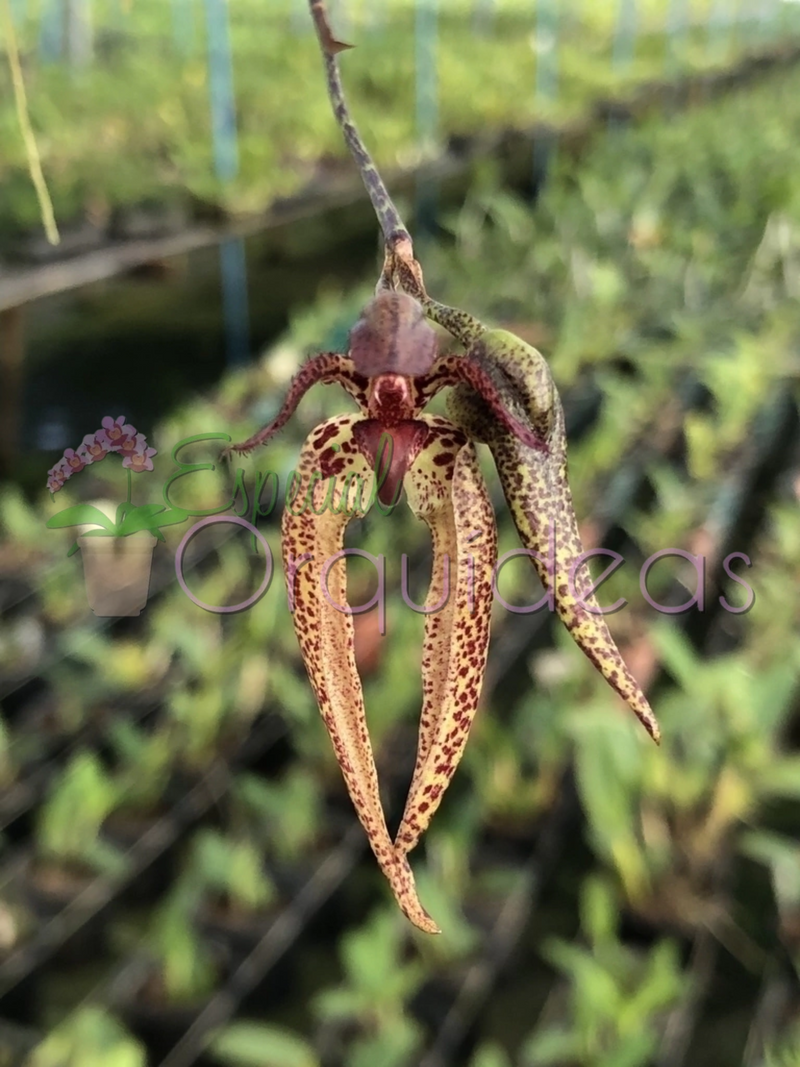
57 475
95 446
140 459
74 461
115 436
117 574
118 432
131 445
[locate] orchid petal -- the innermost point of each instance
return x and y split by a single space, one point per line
539 498
446 490
452 369
312 534
326 368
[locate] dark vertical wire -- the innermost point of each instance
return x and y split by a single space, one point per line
299 21
51 31
677 33
719 28
623 49
220 77
184 29
546 86
79 33
233 266
427 110
483 17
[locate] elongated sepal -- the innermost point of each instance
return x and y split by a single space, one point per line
314 522
326 368
446 489
470 369
539 498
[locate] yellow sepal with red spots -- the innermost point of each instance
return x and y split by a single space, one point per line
333 484
446 489
537 491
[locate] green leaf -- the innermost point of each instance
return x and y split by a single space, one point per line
678 655
782 856
256 1045
89 1038
122 511
142 518
658 988
598 911
371 954
595 989
633 1051
491 1055
80 513
551 1047
393 1046
151 517
782 778
338 1004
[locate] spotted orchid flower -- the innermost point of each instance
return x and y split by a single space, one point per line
503 395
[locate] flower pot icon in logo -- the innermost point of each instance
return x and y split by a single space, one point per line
117 572
116 543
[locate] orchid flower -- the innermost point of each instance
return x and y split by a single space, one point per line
503 395
75 461
117 432
139 457
95 447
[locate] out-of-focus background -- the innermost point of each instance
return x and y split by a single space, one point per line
183 880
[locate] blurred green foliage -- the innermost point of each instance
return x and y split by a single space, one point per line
185 968
90 1038
377 984
256 1045
231 870
616 993
669 255
132 127
70 819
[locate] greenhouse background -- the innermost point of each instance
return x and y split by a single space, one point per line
183 879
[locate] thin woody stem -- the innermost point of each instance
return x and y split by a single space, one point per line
391 224
400 269
23 117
